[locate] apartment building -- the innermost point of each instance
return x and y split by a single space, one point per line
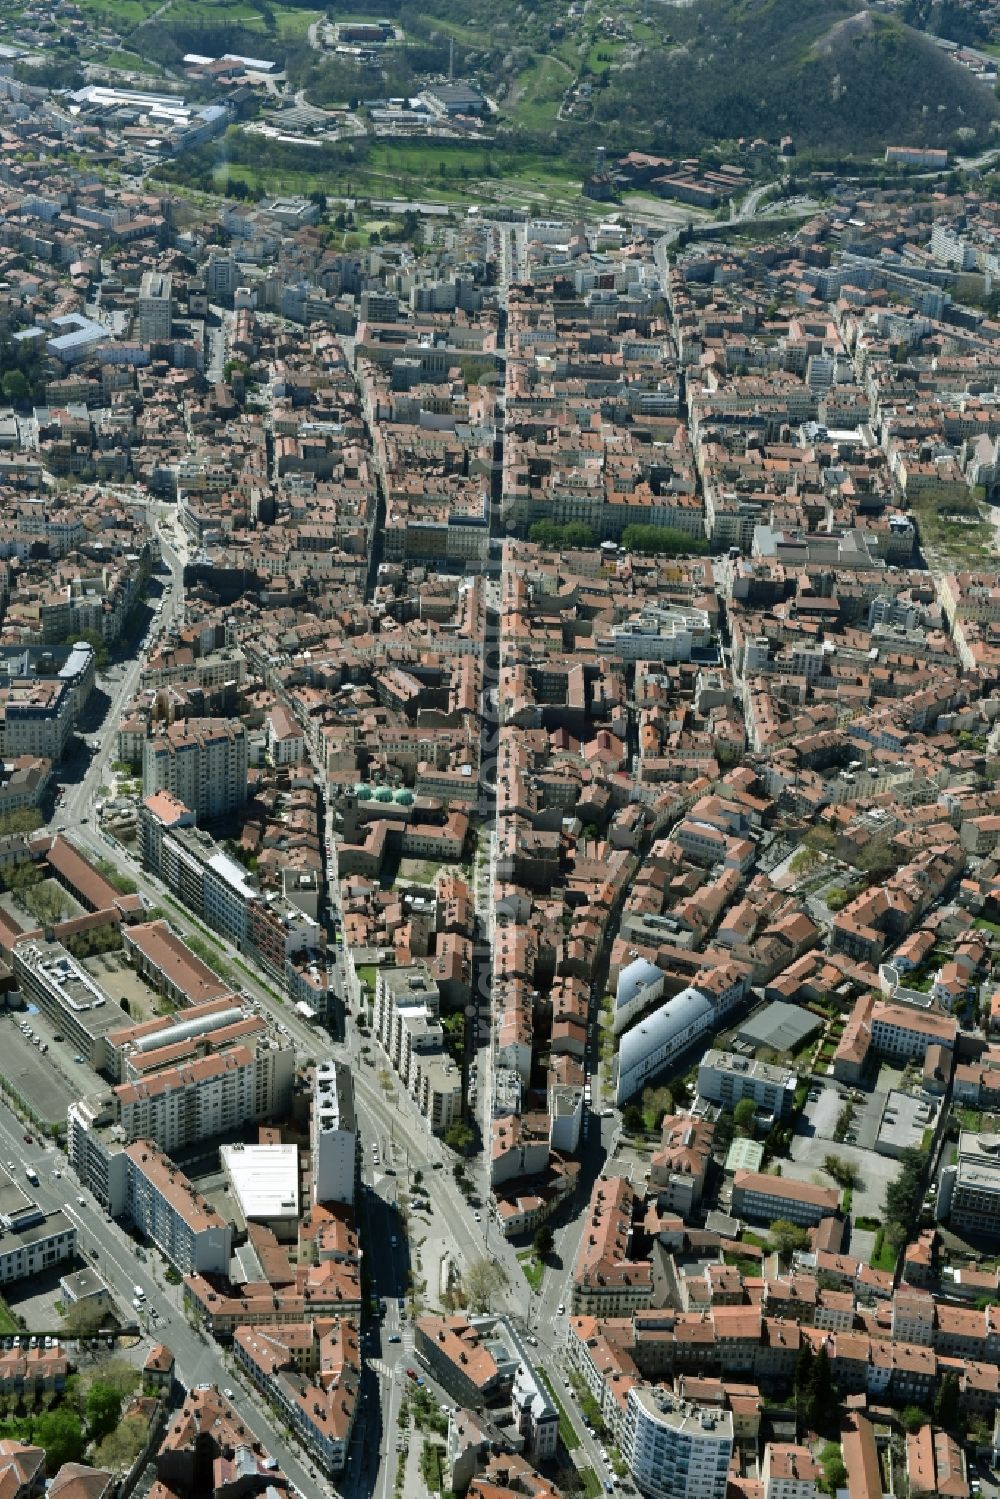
154 307
202 762
970 1188
334 1134
36 718
408 1028
790 1472
269 928
163 1204
210 1096
764 1198
311 1372
725 1078
676 1450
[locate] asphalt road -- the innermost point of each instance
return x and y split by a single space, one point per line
112 1253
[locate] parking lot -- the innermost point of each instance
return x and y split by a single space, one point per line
46 1081
814 1139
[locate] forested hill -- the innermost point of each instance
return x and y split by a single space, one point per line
834 76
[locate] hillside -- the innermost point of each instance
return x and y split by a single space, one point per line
665 77
835 76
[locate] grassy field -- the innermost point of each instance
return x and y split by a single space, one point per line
418 170
540 91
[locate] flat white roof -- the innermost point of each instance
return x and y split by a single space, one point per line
264 1178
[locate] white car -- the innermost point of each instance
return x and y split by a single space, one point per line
561 1309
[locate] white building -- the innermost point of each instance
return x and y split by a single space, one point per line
659 1039
640 984
265 1185
334 1134
726 1078
675 1450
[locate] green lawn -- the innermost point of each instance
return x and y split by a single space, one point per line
591 1483
540 91
368 973
883 1255
980 921
532 1267
567 1432
7 1322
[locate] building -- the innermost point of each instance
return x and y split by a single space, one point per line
333 1134
163 1205
155 307
969 1195
764 1198
725 1078
202 762
676 1450
678 1169
85 1288
71 998
408 1027
265 1185
31 1242
272 930
658 1040
457 98
310 1371
212 1095
790 1472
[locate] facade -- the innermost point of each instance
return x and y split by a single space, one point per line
725 1077
163 1205
408 1027
675 1450
334 1134
203 762
764 1198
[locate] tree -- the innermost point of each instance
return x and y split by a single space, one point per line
803 1376
15 387
786 1237
913 1418
459 1136
482 1281
543 1242
744 1114
946 1403
632 1119
834 1471
82 1319
121 1447
662 541
60 1432
103 1410
820 1404
844 1173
